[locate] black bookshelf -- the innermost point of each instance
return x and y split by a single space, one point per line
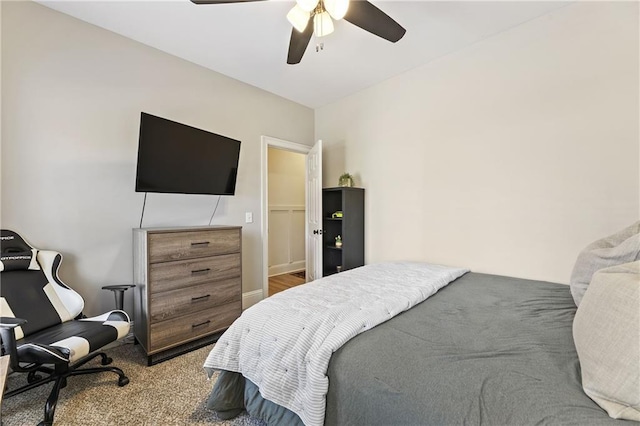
350 227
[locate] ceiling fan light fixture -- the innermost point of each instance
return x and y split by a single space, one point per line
322 24
336 8
299 18
307 5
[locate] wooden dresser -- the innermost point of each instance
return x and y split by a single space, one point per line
188 287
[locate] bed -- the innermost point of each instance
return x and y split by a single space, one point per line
484 349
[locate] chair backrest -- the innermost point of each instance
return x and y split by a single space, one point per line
30 287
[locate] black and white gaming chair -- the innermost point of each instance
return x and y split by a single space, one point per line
42 327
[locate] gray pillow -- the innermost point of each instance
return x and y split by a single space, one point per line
606 331
621 247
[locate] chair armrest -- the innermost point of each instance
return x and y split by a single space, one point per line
10 322
8 338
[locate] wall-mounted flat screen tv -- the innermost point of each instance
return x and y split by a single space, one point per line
180 159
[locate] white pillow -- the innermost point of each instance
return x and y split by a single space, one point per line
606 332
621 247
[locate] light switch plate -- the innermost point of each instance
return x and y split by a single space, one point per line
248 217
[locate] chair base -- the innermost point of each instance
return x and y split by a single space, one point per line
59 375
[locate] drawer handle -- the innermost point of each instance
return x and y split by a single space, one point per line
202 244
201 271
195 299
201 324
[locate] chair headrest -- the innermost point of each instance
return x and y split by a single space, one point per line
15 253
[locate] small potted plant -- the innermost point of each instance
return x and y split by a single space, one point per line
345 180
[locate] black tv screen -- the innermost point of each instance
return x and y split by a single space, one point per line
180 159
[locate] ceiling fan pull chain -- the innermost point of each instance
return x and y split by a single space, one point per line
319 42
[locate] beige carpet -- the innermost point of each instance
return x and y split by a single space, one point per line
173 392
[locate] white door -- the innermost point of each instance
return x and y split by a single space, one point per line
314 212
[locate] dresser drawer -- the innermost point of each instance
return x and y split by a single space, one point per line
180 330
174 303
168 246
183 273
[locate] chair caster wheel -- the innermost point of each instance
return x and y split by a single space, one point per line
123 381
107 361
32 377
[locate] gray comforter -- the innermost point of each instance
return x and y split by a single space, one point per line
484 350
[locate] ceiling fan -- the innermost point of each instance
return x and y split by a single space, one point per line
310 17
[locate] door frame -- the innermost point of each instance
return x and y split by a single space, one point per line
267 142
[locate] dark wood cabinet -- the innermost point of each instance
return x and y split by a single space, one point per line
350 228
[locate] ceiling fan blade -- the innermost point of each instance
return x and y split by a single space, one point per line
299 42
222 1
368 17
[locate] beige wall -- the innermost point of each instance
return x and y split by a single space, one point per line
286 177
71 102
507 157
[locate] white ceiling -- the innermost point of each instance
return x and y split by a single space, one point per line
249 41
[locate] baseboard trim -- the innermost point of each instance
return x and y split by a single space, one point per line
287 268
250 298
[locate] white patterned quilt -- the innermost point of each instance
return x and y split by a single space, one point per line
283 344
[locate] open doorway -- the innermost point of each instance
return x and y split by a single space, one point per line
286 180
311 188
